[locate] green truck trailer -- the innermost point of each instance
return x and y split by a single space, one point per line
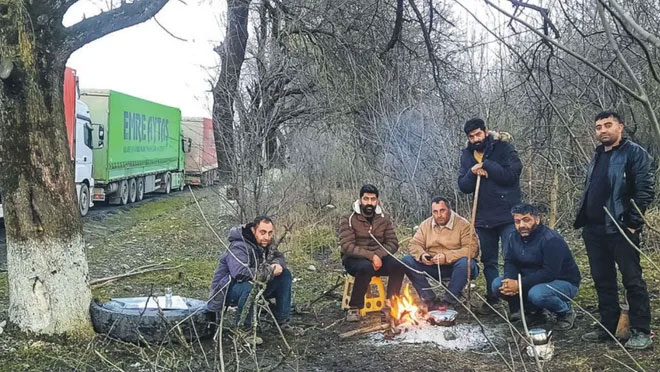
143 149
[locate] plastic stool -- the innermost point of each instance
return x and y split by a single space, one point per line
372 302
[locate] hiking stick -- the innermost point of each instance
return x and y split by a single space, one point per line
469 260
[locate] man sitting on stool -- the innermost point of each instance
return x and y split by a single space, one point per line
368 240
440 248
542 258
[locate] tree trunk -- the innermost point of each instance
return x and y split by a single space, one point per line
232 54
47 267
46 262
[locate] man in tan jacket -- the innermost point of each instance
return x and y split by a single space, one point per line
367 239
440 248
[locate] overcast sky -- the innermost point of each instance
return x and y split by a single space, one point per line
145 61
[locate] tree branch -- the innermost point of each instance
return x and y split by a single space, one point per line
398 25
643 96
105 23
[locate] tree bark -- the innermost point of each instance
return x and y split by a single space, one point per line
47 265
232 54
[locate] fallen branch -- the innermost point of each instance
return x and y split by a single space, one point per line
109 279
363 330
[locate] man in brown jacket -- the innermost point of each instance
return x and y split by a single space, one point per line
440 248
367 239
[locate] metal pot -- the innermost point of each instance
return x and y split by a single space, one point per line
539 336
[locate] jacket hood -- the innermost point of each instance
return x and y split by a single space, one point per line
242 233
356 209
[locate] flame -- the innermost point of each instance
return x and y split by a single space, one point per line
403 309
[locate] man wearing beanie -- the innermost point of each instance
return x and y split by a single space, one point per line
489 156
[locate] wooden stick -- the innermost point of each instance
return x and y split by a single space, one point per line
363 330
102 281
469 260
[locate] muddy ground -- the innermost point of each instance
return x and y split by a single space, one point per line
171 229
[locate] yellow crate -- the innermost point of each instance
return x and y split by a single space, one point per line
372 302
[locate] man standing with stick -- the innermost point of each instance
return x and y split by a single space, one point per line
619 174
490 168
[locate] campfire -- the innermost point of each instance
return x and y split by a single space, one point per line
405 315
403 309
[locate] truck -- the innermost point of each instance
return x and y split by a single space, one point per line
80 137
143 149
201 160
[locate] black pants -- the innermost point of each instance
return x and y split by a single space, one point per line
604 250
363 271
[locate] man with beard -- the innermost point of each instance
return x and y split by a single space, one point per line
489 156
548 271
243 263
619 173
440 248
368 240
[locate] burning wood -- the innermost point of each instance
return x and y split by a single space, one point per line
403 309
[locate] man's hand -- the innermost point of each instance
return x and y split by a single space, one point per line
376 262
439 259
427 259
277 269
509 287
479 170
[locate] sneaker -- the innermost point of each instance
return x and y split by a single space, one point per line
565 321
638 340
353 315
515 317
484 309
597 336
535 319
248 337
292 330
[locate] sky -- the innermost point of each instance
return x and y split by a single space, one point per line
145 61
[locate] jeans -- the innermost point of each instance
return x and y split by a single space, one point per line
488 239
363 271
456 271
604 251
540 296
278 288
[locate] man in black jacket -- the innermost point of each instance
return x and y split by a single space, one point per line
546 266
496 161
619 173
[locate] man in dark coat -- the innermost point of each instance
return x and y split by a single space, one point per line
368 240
619 173
546 266
241 265
489 156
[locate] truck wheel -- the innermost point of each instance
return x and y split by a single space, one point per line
152 325
83 200
140 189
132 190
123 192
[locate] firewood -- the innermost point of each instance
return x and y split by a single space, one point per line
363 330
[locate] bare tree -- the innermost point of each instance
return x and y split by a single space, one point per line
232 54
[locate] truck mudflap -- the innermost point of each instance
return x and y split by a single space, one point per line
178 180
98 194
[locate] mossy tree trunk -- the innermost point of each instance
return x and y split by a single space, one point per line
47 265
